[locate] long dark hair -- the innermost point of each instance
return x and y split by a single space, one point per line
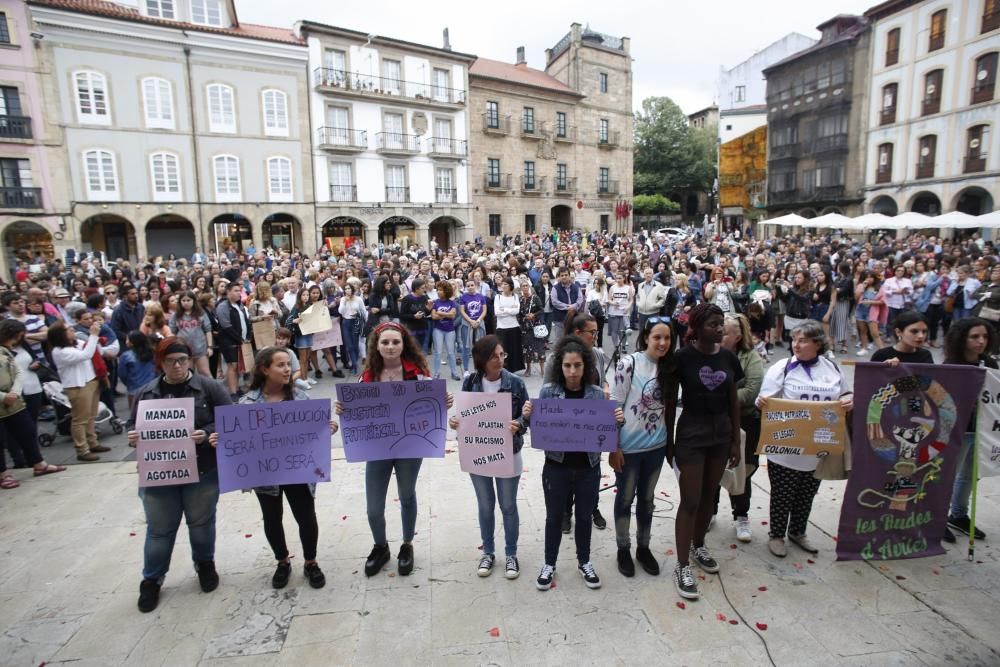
568 345
196 310
262 362
666 366
141 345
954 340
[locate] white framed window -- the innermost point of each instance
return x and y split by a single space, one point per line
91 90
163 9
164 168
206 12
275 103
392 75
221 108
279 179
334 67
101 175
158 103
442 79
227 178
341 181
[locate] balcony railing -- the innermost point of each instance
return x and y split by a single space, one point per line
828 193
834 142
15 127
884 175
785 151
608 139
974 164
783 197
991 21
888 116
930 105
925 169
326 77
21 197
495 123
343 193
607 187
535 130
532 184
496 182
396 195
567 135
442 147
983 93
565 186
342 139
891 57
446 195
397 144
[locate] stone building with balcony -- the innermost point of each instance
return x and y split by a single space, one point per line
183 127
552 149
390 128
816 101
33 193
933 144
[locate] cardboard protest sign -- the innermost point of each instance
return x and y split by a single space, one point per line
263 334
574 425
268 444
245 358
485 443
393 420
988 426
314 319
332 337
908 429
166 452
802 428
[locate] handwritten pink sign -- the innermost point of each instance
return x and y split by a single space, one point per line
485 443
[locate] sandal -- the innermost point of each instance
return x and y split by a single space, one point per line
8 482
48 470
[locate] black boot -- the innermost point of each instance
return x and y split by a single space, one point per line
376 559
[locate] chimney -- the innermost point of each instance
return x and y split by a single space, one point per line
447 41
520 56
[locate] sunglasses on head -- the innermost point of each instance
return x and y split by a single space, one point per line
656 320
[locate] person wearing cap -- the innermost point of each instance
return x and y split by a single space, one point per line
165 505
60 299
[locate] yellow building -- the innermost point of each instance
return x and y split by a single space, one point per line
743 179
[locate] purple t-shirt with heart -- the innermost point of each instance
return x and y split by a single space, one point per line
706 380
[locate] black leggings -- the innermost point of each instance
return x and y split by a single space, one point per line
303 506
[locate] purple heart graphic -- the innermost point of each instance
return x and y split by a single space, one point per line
711 379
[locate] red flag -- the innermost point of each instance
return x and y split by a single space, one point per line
618 210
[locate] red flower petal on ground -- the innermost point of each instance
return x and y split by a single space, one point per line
762 588
797 566
810 561
733 621
248 535
938 572
762 626
553 584
343 518
900 577
681 605
494 632
720 617
732 546
763 523
702 577
392 574
480 547
131 534
670 552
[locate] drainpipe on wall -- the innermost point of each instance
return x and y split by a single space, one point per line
194 148
312 165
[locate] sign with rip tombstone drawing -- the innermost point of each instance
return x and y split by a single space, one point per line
574 425
485 443
393 420
268 444
166 452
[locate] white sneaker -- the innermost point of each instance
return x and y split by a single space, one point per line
871 346
743 532
862 352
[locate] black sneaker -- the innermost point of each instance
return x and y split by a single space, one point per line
149 595
319 375
625 564
599 522
281 573
513 570
405 559
567 524
948 536
589 575
207 576
703 557
315 575
684 582
485 568
376 559
338 374
962 525
545 577
647 560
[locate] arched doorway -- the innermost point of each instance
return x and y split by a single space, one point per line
885 205
561 218
111 234
397 229
231 230
974 201
926 203
444 231
832 209
340 232
691 205
282 231
808 213
24 241
170 233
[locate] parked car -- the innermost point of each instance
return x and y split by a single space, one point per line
673 233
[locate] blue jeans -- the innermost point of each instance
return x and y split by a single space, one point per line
963 477
350 341
444 343
558 481
164 506
463 333
506 491
640 473
377 475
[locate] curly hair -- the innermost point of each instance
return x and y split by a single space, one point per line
958 333
569 345
411 350
698 316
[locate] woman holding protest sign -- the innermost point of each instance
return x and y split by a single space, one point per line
571 375
806 376
491 377
393 356
165 505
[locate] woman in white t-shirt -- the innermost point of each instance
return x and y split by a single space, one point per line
598 294
621 296
807 376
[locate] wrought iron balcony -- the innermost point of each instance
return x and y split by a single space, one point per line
368 86
533 130
785 152
608 139
834 142
891 57
888 116
21 197
884 174
565 187
925 169
607 188
828 193
567 135
397 195
974 164
783 197
930 105
343 193
983 93
532 185
342 139
495 123
442 147
15 127
394 143
446 195
496 182
936 41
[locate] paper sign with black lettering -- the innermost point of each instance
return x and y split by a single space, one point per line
393 420
166 452
802 428
485 443
574 425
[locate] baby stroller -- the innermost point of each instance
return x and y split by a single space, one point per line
54 392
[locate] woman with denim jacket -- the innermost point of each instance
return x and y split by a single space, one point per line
491 377
571 375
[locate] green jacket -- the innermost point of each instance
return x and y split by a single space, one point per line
749 387
11 381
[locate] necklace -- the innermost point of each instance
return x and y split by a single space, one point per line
392 375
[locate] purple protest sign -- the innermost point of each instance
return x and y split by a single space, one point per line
267 444
393 420
908 427
166 453
574 425
485 443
